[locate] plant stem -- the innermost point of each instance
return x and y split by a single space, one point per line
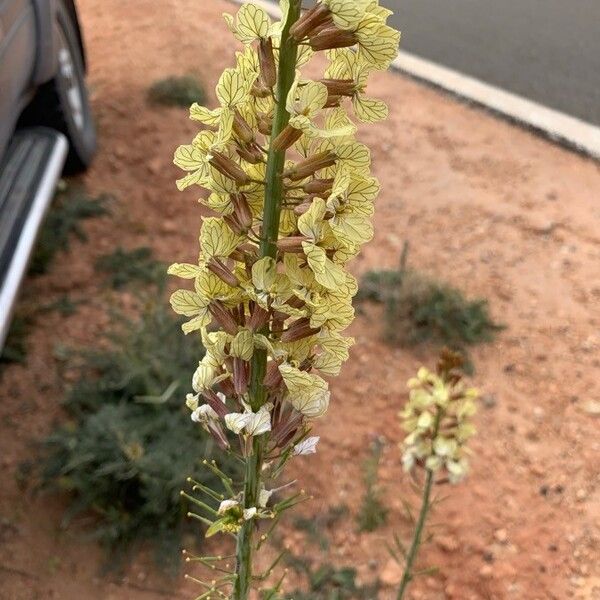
413 551
416 541
288 51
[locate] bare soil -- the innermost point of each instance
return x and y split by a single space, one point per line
487 206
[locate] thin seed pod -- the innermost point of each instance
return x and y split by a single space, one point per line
331 38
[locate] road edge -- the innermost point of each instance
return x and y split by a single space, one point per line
554 125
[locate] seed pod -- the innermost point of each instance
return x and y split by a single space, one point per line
318 186
292 244
287 138
228 167
266 60
332 37
310 165
311 19
222 271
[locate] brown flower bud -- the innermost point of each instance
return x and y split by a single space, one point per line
310 165
299 330
260 90
291 244
228 167
273 378
340 87
227 388
311 19
265 124
318 186
250 154
215 403
223 317
242 129
240 376
222 271
332 101
332 37
295 302
259 317
302 208
266 60
242 209
287 138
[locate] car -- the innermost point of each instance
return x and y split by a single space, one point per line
46 126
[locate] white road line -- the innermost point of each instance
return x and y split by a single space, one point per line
554 124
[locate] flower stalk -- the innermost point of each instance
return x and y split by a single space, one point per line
269 235
292 196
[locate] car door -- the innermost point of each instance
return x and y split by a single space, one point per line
17 57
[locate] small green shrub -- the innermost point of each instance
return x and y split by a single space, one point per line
372 513
129 445
176 91
419 309
316 527
71 205
327 582
131 266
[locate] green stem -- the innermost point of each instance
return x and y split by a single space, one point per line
413 551
288 52
416 541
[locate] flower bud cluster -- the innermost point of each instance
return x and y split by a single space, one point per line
437 418
290 305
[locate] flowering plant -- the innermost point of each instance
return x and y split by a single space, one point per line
292 196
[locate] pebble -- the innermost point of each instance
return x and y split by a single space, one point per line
501 536
592 407
486 571
391 573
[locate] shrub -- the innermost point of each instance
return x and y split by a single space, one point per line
419 309
129 445
70 206
176 91
131 266
372 513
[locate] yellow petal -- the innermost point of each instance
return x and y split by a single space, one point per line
185 302
369 110
233 88
184 270
242 345
217 239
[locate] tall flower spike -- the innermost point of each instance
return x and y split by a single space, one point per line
292 197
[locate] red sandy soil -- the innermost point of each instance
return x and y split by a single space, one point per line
488 207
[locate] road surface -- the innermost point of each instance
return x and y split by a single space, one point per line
545 50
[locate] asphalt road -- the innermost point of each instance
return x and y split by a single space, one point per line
545 50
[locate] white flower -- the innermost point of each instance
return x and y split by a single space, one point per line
250 513
263 497
204 414
227 505
312 404
307 446
250 423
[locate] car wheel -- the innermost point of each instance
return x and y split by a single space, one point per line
63 102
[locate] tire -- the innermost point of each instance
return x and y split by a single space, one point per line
63 102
